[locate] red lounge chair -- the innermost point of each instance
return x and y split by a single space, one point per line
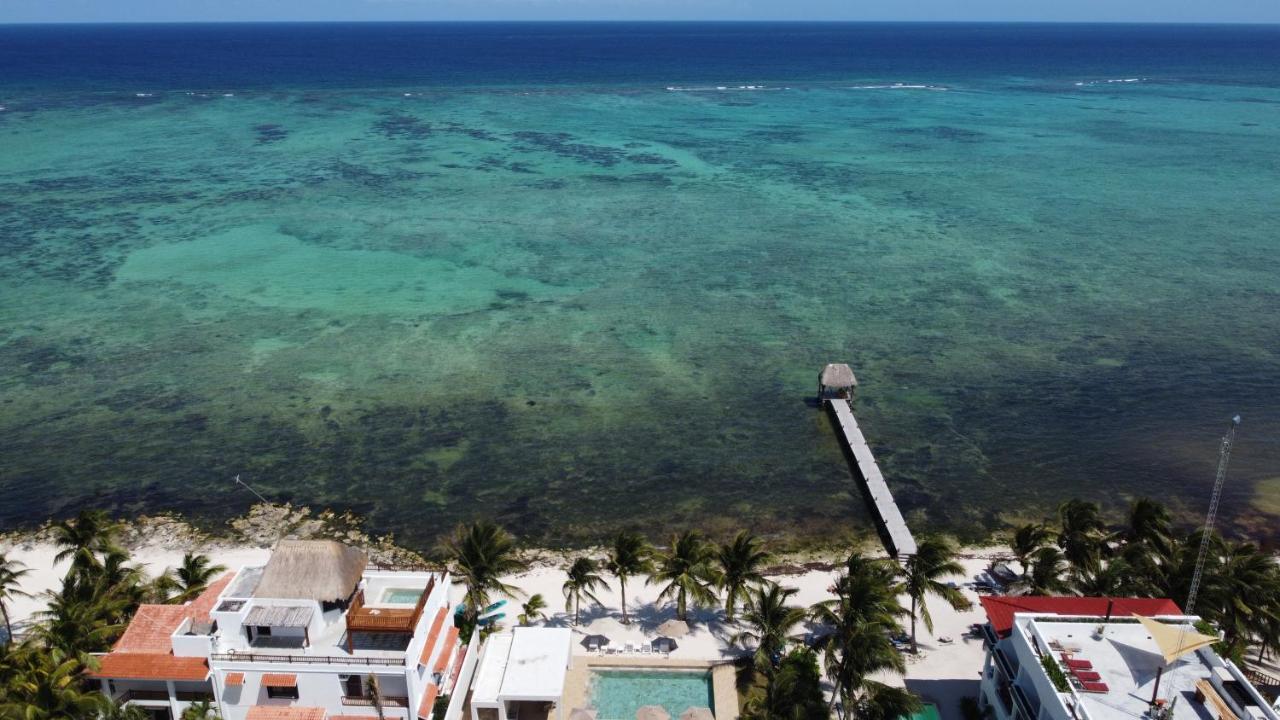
1088 676
1095 687
1077 664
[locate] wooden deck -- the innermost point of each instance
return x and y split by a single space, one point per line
886 509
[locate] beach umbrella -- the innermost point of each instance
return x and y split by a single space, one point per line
674 628
664 644
591 642
697 713
582 714
652 712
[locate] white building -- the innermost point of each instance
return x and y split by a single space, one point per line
522 672
1110 664
306 637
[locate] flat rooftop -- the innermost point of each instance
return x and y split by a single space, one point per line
1128 659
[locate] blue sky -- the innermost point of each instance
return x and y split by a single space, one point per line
974 10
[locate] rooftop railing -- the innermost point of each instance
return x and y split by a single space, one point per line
306 659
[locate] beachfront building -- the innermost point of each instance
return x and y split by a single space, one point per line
314 634
521 674
1106 659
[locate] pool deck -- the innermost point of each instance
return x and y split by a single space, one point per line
723 692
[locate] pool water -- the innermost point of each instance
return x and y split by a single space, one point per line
928 712
401 596
618 694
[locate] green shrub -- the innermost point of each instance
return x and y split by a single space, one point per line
1055 673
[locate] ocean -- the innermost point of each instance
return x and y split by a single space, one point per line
579 277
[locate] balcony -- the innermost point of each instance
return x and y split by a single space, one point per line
387 701
1025 706
361 618
163 696
307 659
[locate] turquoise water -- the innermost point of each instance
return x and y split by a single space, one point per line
618 694
401 596
585 306
928 711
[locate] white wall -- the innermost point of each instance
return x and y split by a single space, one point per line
315 689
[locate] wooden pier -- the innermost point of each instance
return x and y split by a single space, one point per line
835 387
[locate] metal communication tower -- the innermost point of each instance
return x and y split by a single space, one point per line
1224 455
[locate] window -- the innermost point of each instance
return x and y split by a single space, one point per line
283 693
351 685
264 631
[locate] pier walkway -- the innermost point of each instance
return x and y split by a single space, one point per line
886 510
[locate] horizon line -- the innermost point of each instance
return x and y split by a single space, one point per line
598 21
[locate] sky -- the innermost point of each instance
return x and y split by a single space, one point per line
1246 11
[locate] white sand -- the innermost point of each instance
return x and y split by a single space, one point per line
941 673
46 575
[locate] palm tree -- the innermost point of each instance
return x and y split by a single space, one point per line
11 571
770 620
49 686
373 689
1027 540
202 710
74 625
582 582
1045 575
531 611
482 554
629 557
114 711
686 570
935 558
854 647
81 539
1149 525
193 576
1083 534
739 565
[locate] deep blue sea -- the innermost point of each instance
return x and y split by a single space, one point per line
581 276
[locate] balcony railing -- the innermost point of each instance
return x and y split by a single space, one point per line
387 701
163 696
306 659
1024 703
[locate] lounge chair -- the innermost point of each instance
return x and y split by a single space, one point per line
1076 664
1088 676
1095 687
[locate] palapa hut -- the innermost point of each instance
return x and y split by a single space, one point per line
836 381
322 570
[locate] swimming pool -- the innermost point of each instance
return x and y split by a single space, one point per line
401 596
618 694
928 711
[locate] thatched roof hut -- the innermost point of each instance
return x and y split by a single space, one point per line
321 570
837 376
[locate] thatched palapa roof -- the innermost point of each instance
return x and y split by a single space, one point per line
321 570
838 375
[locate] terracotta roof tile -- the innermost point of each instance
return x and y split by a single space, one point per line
150 666
234 678
446 651
279 680
1001 608
150 629
428 701
204 604
432 635
284 712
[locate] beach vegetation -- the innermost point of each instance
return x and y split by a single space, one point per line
11 574
921 576
739 563
630 556
480 555
686 573
769 622
583 581
532 610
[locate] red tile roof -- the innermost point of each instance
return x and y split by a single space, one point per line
1001 608
207 600
150 666
432 635
284 712
279 680
150 629
235 678
446 651
428 701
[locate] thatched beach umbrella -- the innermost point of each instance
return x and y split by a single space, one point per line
697 713
593 642
583 714
652 712
664 644
674 628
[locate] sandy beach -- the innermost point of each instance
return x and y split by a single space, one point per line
941 673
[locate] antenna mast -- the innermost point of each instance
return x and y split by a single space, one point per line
1224 455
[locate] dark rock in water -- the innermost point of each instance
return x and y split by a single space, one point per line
270 133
